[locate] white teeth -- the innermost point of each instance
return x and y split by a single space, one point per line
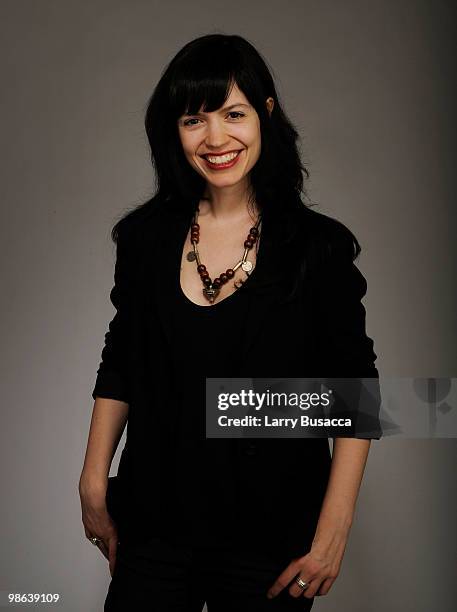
222 159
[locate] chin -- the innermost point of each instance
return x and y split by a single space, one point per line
225 183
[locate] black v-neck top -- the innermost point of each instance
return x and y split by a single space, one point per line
205 343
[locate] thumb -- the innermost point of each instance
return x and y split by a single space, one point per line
112 550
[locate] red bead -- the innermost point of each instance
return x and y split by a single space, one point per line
217 282
254 231
248 244
252 238
194 239
195 227
206 281
201 268
223 277
230 273
204 274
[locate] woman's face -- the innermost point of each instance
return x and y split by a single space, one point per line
232 130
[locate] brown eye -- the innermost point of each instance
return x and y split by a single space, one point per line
187 121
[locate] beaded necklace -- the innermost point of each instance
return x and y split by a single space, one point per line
211 288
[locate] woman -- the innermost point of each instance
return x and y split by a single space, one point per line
224 272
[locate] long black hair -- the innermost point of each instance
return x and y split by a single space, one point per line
201 76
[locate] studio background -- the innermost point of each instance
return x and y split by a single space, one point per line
369 87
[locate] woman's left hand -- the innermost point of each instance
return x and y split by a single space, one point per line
319 568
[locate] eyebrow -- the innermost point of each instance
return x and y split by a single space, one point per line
225 108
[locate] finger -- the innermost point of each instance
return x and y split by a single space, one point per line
296 590
112 549
325 586
283 579
100 544
103 548
312 589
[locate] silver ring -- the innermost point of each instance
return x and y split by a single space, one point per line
301 583
95 541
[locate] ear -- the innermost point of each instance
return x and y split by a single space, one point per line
270 103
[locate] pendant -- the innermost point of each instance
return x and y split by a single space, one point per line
190 256
210 293
247 265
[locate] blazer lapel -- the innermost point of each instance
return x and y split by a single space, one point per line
262 303
164 259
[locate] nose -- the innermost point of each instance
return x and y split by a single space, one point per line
215 135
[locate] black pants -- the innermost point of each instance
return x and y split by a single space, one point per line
159 575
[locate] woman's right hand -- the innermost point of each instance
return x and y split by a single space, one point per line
96 519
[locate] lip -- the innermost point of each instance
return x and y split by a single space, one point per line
226 165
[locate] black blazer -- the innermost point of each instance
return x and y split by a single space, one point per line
320 332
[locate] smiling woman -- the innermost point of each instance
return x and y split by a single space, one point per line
225 271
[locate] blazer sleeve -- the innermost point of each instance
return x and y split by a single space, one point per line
112 380
346 351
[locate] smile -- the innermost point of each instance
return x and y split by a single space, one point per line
222 161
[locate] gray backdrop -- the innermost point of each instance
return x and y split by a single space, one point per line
368 85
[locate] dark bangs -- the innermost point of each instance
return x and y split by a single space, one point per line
201 76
